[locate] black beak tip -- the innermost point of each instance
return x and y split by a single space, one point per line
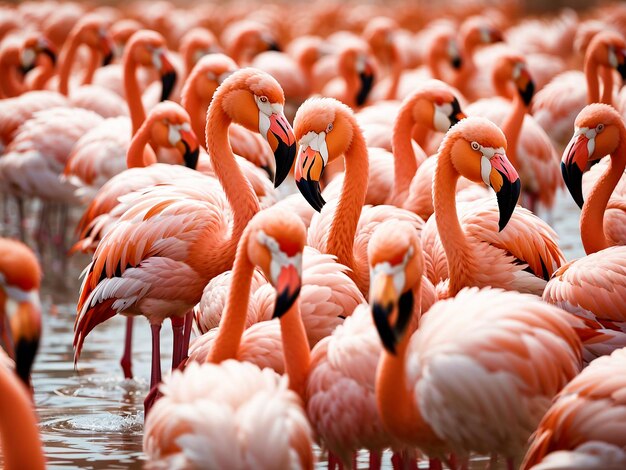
311 192
507 200
25 352
284 157
108 58
270 172
573 177
385 332
191 157
367 82
528 93
457 62
284 301
168 80
273 46
621 68
25 70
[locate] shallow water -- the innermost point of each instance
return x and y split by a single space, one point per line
91 417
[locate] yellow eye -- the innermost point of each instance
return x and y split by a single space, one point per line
263 99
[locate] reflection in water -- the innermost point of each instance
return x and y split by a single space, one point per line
93 418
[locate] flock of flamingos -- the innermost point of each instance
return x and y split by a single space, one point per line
340 201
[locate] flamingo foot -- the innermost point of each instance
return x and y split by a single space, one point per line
126 361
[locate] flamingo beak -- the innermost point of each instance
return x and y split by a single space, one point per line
575 162
456 115
108 49
525 86
24 320
366 77
189 148
620 65
283 143
288 285
388 307
168 76
309 168
498 173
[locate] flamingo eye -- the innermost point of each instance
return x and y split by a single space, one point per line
329 127
263 99
599 128
475 145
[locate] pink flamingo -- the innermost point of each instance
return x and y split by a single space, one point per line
593 287
201 232
356 78
274 241
20 308
584 427
508 353
519 248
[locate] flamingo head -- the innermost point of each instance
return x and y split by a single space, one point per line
255 100
477 150
94 32
197 43
209 73
445 47
396 266
275 244
597 133
20 307
170 127
33 46
324 130
434 106
513 69
380 35
608 48
148 48
121 31
478 30
354 59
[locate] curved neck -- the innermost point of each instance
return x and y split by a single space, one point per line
352 87
296 349
593 85
434 64
21 444
233 322
607 85
10 82
139 154
94 62
66 61
242 199
458 253
42 74
133 94
396 73
592 215
404 163
197 107
512 126
351 200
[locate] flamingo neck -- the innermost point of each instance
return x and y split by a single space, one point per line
396 73
404 162
434 64
66 61
296 349
512 126
593 84
592 215
346 218
196 106
458 252
238 191
94 62
21 444
233 320
132 92
42 74
9 82
139 153
352 87
607 85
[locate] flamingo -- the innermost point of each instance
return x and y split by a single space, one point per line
380 35
341 402
586 425
20 308
19 431
245 39
326 130
520 249
274 241
556 106
529 148
356 78
20 60
201 233
599 131
508 353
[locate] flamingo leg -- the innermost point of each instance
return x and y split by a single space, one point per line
510 464
435 464
334 462
187 334
22 218
375 460
126 361
177 330
155 376
493 462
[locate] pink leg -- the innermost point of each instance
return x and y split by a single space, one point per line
177 330
155 377
375 460
334 462
510 464
187 334
126 361
354 463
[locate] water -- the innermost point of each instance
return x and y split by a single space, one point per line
91 418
